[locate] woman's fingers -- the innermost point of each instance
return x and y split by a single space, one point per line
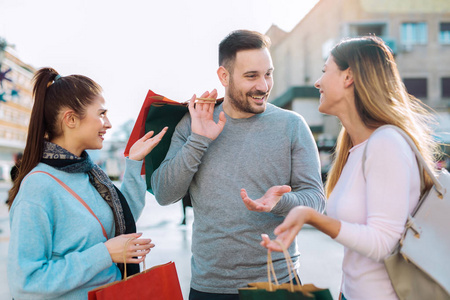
139 253
265 240
157 137
140 244
135 260
139 249
270 244
148 135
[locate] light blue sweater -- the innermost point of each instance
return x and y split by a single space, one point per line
57 249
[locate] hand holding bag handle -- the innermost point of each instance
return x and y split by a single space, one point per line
125 277
268 290
156 283
290 267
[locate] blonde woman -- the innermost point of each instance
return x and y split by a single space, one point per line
367 208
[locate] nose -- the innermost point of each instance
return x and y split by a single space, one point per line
263 85
107 124
317 83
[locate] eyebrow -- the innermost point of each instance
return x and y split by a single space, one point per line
256 72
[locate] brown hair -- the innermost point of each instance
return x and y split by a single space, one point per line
380 98
237 41
52 93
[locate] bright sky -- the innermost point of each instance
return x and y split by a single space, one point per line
129 47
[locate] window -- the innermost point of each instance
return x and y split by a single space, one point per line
377 29
414 33
369 29
416 87
445 87
444 33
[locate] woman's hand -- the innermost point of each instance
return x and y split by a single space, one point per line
293 223
145 145
202 117
288 230
138 248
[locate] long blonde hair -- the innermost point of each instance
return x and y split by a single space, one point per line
380 98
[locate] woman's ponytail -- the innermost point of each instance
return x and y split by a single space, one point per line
32 154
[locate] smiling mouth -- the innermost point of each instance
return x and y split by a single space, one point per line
258 98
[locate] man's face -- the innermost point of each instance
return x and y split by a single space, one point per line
250 82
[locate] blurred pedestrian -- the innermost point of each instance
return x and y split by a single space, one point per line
186 202
15 169
245 142
14 172
58 248
367 206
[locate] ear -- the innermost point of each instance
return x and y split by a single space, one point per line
348 81
70 119
224 76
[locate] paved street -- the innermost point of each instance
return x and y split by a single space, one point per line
320 263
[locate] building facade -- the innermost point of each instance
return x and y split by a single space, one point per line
15 106
417 31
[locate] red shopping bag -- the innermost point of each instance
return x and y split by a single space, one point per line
157 283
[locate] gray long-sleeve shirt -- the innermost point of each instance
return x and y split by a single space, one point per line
268 149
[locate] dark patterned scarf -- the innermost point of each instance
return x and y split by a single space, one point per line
63 160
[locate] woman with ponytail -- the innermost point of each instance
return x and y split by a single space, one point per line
371 196
60 247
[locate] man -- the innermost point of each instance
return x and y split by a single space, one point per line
226 155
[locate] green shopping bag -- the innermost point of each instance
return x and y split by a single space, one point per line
286 291
283 292
159 116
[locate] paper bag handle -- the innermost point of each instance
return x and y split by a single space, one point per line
125 277
290 267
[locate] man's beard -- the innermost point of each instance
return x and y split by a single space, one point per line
241 103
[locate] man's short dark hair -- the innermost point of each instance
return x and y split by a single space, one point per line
240 40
